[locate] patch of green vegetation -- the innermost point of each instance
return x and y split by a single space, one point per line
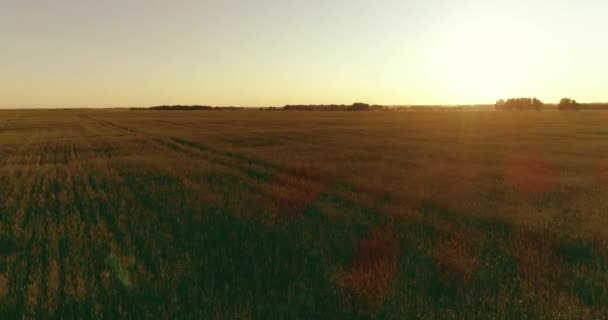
119 270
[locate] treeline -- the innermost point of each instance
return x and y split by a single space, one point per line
567 104
194 107
358 106
515 104
519 104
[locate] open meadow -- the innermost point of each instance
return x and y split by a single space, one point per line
303 215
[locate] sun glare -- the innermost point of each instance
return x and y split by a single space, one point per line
473 75
477 65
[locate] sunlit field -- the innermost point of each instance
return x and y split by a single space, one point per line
303 215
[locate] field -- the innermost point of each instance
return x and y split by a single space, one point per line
303 215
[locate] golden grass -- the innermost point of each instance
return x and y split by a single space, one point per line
529 174
456 253
538 262
602 172
188 202
373 267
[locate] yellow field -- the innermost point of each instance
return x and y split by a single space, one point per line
272 214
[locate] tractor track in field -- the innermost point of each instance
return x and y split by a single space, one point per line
35 210
262 179
136 242
252 167
253 171
259 173
255 168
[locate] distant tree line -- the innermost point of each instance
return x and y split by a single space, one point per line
194 107
567 104
320 107
358 106
519 104
515 104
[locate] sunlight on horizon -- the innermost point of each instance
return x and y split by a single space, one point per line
477 62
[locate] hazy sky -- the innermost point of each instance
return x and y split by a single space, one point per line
85 53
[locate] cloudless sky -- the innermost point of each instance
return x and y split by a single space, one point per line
123 53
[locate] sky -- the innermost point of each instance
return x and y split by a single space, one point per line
138 53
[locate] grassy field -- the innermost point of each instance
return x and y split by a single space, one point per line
303 215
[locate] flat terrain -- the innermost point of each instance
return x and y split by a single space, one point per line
303 215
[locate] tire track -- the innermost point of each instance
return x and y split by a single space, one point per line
264 179
247 166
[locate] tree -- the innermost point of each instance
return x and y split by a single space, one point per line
537 104
500 104
567 104
520 104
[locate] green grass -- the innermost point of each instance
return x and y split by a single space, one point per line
303 215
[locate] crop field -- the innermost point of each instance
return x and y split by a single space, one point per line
303 215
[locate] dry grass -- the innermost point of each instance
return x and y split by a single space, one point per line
602 172
529 173
457 254
252 214
373 267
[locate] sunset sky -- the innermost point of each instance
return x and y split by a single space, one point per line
124 53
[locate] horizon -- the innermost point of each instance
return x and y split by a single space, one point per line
274 53
553 104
